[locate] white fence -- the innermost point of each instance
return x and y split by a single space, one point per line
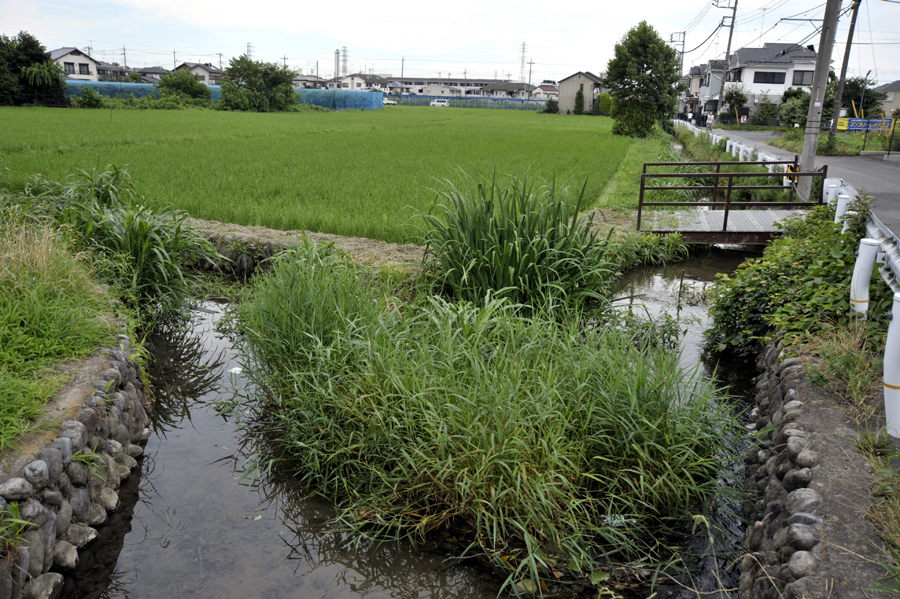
744 152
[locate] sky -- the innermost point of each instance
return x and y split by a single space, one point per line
460 38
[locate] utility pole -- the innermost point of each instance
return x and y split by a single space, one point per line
675 39
719 4
174 61
220 61
90 48
124 57
840 88
530 64
285 59
817 96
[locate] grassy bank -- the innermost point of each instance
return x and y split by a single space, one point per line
846 143
350 173
50 310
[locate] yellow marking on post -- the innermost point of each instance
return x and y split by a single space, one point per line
859 301
891 386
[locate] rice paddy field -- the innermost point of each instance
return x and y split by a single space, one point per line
359 173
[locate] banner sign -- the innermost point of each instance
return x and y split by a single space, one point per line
863 124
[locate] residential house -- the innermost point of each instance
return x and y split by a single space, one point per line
766 73
364 82
308 81
589 84
110 72
206 72
710 86
892 101
461 87
690 98
518 90
545 92
76 64
151 74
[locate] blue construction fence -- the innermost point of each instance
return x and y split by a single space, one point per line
332 99
463 102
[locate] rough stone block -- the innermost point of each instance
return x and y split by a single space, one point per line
65 555
45 586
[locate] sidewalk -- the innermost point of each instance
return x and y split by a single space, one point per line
869 175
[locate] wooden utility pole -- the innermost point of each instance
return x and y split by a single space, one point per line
840 88
817 96
727 55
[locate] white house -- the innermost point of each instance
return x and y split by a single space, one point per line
518 90
766 73
308 81
590 86
206 72
76 64
441 86
892 100
545 92
361 82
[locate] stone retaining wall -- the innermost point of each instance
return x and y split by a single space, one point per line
808 492
66 487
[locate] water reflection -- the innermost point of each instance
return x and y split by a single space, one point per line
196 530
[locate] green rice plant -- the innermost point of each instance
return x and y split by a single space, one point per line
547 443
358 173
529 245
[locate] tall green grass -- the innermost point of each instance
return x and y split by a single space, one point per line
147 255
527 243
365 174
550 444
50 309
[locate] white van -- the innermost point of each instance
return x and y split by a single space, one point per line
441 102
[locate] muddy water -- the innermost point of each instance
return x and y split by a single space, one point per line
189 527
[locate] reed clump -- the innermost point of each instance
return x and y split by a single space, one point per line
555 447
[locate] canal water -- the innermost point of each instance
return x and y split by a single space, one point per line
191 526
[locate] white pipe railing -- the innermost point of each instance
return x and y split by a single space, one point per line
743 151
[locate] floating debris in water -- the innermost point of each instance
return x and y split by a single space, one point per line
236 370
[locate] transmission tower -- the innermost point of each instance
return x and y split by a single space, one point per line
344 62
522 64
249 50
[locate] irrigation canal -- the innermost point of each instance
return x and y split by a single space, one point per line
189 528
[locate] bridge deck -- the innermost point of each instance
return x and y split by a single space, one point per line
705 226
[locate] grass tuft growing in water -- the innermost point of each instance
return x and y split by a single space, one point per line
556 446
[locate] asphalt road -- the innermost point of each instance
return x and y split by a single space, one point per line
870 175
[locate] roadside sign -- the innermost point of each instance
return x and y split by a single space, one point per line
845 124
790 179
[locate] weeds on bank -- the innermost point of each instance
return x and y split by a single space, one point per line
551 442
146 255
50 309
851 364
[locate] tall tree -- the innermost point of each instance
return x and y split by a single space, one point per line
27 74
853 92
183 83
258 86
642 76
579 102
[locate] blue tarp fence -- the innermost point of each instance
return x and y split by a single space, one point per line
332 99
463 102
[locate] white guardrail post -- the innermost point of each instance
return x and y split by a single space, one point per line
892 372
880 246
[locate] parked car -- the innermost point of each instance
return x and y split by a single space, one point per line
441 102
388 102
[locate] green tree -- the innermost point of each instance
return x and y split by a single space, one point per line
853 92
133 78
642 76
735 97
794 111
603 103
579 102
258 86
183 83
552 106
27 73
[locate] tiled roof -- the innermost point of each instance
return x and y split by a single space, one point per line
784 54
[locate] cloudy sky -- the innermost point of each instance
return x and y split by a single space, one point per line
458 38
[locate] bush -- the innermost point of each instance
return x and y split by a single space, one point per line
579 102
183 84
603 104
767 114
632 120
794 111
89 98
800 285
539 441
552 106
527 244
